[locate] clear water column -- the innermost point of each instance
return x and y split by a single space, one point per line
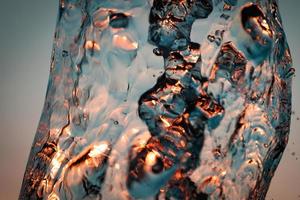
163 99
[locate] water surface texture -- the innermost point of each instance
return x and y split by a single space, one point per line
161 99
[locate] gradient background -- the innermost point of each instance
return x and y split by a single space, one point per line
26 35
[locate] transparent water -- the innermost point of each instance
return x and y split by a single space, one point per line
185 99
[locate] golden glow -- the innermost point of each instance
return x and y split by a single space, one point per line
123 42
223 173
56 163
92 45
166 123
151 158
53 196
176 89
98 149
153 102
142 143
213 72
178 175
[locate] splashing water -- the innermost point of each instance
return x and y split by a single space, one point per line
161 99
